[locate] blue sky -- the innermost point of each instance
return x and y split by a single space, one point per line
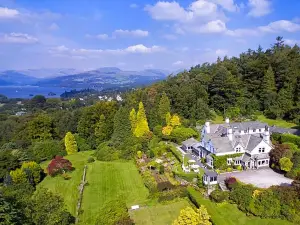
140 34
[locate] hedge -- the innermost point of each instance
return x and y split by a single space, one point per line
176 153
194 196
290 138
179 192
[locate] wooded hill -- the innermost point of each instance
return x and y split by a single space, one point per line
258 80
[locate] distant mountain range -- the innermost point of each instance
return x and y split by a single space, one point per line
101 78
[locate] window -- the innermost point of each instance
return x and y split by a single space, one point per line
263 149
254 130
259 150
259 163
229 161
238 149
263 162
267 161
237 162
259 130
245 131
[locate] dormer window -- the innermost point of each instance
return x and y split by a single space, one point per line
254 130
259 130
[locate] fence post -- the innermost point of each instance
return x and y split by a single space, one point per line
81 188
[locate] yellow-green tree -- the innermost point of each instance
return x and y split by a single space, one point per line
168 119
189 216
18 176
167 130
142 127
33 169
70 143
175 121
132 118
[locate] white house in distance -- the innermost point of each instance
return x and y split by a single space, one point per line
251 139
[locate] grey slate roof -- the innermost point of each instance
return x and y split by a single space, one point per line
281 130
210 173
222 144
190 142
247 125
246 157
253 141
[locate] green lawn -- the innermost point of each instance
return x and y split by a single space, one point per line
106 181
158 214
229 214
279 123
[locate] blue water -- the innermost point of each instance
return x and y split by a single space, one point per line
26 91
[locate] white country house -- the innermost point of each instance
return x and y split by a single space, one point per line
251 139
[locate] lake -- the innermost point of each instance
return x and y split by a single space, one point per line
26 91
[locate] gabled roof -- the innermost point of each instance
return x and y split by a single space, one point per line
190 141
253 142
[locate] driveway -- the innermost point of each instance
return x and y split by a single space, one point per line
262 178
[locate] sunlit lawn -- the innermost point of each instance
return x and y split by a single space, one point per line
279 122
158 214
106 181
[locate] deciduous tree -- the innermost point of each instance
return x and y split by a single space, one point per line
142 127
285 164
70 143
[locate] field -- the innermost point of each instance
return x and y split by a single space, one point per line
279 123
158 214
229 214
106 181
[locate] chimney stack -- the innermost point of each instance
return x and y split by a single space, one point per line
207 127
230 135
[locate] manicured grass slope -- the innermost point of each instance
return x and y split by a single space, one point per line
158 214
279 123
229 214
106 181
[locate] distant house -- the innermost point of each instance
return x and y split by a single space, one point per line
20 113
210 177
249 139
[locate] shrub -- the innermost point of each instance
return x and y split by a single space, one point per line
229 169
179 192
290 138
59 165
175 152
113 212
231 182
239 167
90 160
161 169
179 134
194 196
106 153
219 196
293 147
149 182
164 186
33 171
242 196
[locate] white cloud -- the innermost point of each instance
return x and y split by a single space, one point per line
64 51
279 26
221 52
178 63
130 33
202 16
53 26
17 38
143 49
242 32
216 26
6 13
133 5
228 5
98 36
170 36
291 42
259 8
